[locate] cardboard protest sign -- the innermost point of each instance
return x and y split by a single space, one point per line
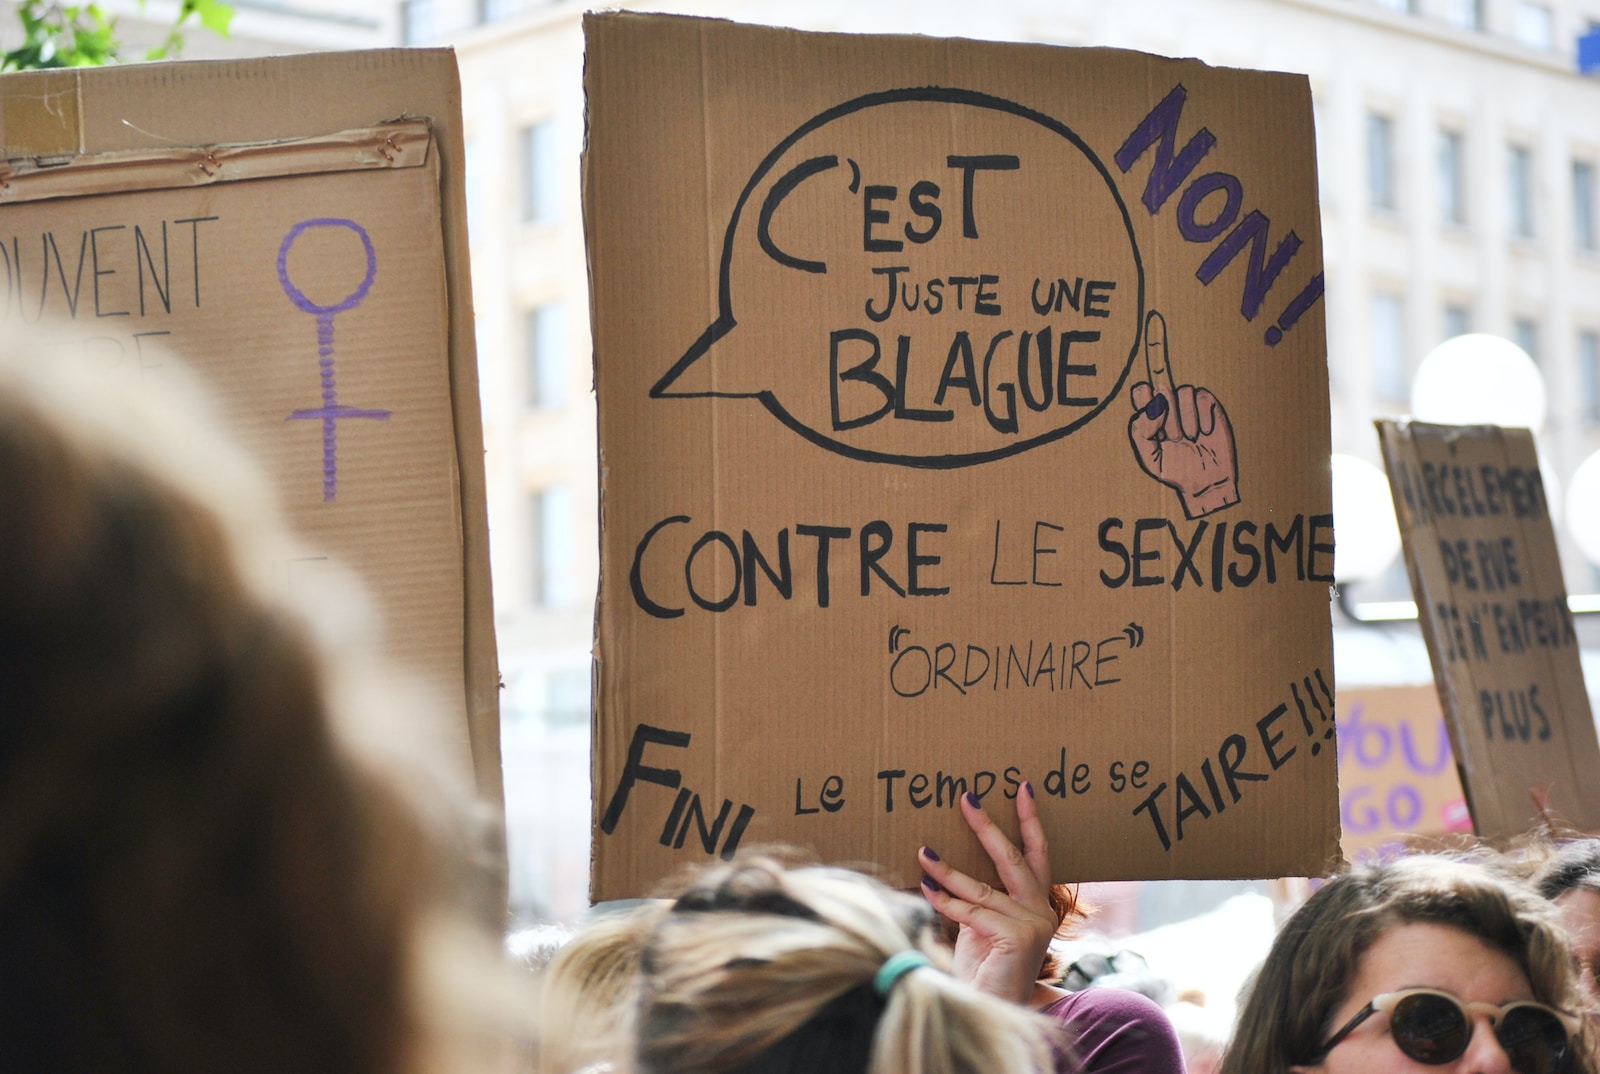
1397 774
1481 552
272 224
963 423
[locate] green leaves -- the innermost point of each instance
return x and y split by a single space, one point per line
62 35
56 34
214 15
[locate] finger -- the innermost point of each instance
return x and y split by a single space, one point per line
1154 409
1213 415
1016 872
1188 413
1207 405
1035 849
1156 357
1142 395
944 883
986 921
989 912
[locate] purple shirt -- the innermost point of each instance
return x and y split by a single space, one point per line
1114 1031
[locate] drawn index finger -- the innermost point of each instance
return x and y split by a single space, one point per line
1155 353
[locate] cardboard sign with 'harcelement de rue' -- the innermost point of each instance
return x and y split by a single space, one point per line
1482 556
963 423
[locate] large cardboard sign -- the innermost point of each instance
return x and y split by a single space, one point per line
275 226
1397 774
964 423
1482 556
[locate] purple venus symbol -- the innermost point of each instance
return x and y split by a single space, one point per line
331 411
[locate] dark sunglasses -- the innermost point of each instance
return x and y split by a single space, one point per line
1434 1027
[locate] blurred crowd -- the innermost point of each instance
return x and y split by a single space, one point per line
225 844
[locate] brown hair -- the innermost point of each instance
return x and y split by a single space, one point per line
1570 865
1069 908
1285 1016
197 873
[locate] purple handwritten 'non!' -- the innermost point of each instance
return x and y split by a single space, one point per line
331 412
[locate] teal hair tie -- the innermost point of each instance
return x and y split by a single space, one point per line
896 967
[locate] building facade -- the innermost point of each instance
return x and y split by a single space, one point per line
1459 151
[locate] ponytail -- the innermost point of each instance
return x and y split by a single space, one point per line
762 970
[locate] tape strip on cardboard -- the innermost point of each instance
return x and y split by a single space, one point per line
46 121
402 144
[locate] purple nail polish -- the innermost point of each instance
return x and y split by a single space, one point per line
1027 785
972 800
931 855
931 884
1156 407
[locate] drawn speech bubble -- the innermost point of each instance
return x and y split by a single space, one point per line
932 277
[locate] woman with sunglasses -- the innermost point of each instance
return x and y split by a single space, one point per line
1422 964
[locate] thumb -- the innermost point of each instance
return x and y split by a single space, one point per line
1151 415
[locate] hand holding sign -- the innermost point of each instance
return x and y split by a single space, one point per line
1181 434
1004 934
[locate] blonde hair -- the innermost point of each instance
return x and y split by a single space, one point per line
589 989
761 969
201 870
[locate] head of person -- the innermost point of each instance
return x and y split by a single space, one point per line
1570 878
1425 963
761 969
198 871
589 988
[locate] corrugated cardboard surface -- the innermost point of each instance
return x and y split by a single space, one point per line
1482 555
830 604
1397 774
399 495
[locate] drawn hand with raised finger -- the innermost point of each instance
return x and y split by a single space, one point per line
1181 434
1004 934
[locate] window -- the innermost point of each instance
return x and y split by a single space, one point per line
1389 378
1452 177
541 174
1525 334
554 546
1465 14
1534 27
1380 161
1583 205
567 696
1327 185
1589 49
496 10
1589 377
1457 321
474 177
417 21
1403 7
1519 186
545 331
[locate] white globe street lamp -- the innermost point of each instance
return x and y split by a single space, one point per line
1366 533
1479 379
1583 508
